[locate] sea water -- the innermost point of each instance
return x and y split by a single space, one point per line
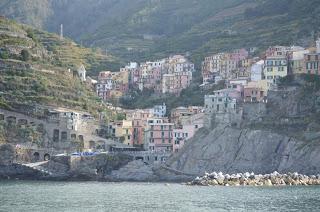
154 197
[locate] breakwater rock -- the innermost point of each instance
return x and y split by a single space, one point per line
251 179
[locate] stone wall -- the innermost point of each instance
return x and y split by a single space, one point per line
7 154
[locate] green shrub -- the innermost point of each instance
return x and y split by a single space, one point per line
25 55
4 55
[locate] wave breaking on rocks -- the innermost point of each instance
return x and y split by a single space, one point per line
251 179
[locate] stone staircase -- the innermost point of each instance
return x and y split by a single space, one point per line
38 167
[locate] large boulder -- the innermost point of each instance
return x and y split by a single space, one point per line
7 153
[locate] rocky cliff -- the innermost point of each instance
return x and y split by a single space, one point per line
283 136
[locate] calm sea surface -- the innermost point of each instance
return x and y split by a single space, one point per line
96 196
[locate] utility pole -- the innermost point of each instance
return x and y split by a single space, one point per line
61 31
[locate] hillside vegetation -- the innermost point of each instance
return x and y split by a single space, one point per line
143 29
34 70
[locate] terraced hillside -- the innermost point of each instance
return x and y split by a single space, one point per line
34 69
144 29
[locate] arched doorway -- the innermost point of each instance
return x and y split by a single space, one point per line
46 157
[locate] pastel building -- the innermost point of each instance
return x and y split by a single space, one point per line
254 93
221 101
229 65
159 110
277 51
257 71
318 45
181 136
181 115
211 68
112 84
312 63
134 73
175 83
179 63
158 135
276 67
139 120
296 61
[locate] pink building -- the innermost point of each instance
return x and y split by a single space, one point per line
175 83
139 123
239 54
152 79
254 94
187 131
158 135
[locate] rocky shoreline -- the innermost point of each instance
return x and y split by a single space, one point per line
251 179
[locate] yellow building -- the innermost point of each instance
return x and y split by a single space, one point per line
127 131
276 67
123 131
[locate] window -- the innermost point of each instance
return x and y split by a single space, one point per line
151 134
163 141
308 66
196 126
162 134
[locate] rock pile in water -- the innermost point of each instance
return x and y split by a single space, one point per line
251 179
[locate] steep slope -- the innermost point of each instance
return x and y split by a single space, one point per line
140 29
34 70
284 137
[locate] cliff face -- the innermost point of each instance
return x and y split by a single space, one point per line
283 135
245 150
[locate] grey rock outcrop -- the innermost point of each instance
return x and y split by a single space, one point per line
233 150
7 154
134 171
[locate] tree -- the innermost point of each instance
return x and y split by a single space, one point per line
4 55
25 55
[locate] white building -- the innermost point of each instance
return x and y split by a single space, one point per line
219 102
257 71
159 110
318 46
82 73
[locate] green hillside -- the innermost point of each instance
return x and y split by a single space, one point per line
141 29
34 70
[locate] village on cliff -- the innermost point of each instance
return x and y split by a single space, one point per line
155 133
